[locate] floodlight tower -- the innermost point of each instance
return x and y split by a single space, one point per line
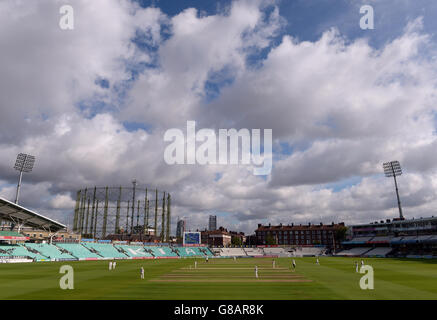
24 163
393 169
134 183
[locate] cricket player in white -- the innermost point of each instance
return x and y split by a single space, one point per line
317 260
142 272
195 264
362 263
110 265
256 272
113 265
294 265
356 266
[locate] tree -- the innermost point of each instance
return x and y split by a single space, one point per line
270 240
340 234
236 241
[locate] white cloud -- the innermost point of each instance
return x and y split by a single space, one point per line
343 108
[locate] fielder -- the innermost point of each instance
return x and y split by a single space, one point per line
195 264
273 263
142 273
356 266
317 260
110 265
293 265
256 272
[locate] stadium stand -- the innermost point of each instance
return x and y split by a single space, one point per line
395 240
78 250
206 251
409 239
432 239
162 251
232 252
20 251
135 251
309 251
353 251
190 252
424 238
12 235
48 250
378 252
105 250
358 240
254 252
382 239
216 251
280 252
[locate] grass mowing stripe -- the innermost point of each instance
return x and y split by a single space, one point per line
334 278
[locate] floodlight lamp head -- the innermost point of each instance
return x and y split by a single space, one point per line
24 162
392 168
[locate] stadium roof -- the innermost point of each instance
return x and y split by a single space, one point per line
13 212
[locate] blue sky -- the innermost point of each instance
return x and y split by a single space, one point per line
338 108
308 19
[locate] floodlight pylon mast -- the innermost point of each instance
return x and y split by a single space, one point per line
24 163
18 187
393 169
401 216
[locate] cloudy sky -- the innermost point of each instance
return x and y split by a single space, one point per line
93 103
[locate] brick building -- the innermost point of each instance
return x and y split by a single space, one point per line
300 235
219 237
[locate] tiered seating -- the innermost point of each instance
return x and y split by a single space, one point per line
49 250
409 239
353 252
281 252
309 251
254 252
162 251
19 251
135 251
431 239
78 250
8 233
106 250
424 238
206 251
232 252
380 252
362 239
381 239
190 251
216 251
358 240
396 240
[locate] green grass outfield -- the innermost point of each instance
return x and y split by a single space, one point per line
334 278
